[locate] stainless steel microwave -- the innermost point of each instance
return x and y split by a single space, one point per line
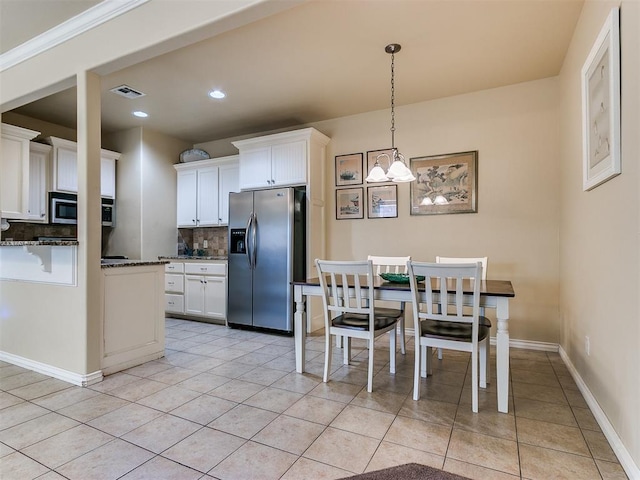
63 209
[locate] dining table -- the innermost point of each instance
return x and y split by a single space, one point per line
494 294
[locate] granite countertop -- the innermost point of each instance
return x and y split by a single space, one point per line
113 263
53 243
192 257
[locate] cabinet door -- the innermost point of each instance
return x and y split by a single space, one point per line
194 295
186 198
228 181
289 163
255 168
215 297
14 177
38 159
207 196
66 170
108 177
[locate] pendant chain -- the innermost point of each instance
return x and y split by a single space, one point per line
393 116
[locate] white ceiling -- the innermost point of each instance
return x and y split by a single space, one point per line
325 59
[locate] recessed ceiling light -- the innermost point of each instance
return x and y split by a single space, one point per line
217 94
140 114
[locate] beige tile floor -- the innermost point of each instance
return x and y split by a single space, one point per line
227 404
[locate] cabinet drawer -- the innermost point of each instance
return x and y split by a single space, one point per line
205 268
174 283
174 303
174 268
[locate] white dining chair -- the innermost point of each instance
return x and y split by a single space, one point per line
437 326
483 260
392 265
350 314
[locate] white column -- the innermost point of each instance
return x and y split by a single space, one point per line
89 212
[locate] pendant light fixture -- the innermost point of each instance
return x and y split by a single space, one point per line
397 168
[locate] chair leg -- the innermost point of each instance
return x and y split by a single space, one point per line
474 381
417 370
484 359
370 373
423 361
439 354
403 344
429 361
327 357
392 350
339 341
346 346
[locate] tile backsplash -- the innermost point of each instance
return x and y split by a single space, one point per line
216 238
23 231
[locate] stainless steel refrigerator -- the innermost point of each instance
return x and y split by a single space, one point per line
266 253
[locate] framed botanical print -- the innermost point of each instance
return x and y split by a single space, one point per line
349 203
445 184
349 169
382 201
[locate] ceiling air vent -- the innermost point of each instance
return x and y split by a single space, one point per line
127 92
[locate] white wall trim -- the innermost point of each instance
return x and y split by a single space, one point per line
530 345
513 343
629 466
90 18
55 372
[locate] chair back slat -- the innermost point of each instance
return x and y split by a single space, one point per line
389 264
358 275
444 285
483 260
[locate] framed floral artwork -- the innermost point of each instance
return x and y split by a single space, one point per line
445 184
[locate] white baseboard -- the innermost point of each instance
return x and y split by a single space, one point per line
515 343
55 372
629 466
530 345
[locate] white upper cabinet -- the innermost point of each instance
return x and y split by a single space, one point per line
228 181
39 155
14 171
203 191
108 173
282 159
64 169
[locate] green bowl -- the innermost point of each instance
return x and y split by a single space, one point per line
399 277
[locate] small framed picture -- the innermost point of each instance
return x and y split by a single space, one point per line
382 201
385 160
349 169
349 203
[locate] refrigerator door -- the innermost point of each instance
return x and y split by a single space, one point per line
272 292
239 301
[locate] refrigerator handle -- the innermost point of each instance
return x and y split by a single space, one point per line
247 240
254 239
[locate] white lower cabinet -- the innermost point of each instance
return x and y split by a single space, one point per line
197 288
205 296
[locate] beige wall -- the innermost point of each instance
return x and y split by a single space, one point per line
515 130
599 252
34 326
146 192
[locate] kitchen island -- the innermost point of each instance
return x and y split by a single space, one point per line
132 313
41 291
